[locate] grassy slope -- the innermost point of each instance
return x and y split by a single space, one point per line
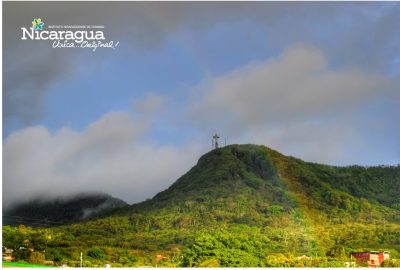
14 264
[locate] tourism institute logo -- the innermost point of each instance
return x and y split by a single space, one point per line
69 36
37 24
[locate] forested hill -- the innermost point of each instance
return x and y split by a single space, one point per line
264 176
51 212
242 205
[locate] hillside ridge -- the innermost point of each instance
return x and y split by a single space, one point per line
248 162
61 210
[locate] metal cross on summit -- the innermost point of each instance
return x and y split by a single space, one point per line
215 141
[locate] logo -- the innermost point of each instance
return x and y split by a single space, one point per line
69 36
37 24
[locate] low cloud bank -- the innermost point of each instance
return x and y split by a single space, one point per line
111 155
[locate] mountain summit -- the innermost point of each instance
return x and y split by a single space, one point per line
226 174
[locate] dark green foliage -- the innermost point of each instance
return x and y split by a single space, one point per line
241 205
95 253
53 212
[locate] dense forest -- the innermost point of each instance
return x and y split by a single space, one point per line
241 205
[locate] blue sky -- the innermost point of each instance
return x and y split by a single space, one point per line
315 80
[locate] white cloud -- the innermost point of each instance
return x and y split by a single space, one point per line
298 83
111 156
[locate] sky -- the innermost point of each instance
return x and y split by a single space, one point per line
315 80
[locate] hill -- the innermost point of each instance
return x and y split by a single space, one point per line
241 205
51 212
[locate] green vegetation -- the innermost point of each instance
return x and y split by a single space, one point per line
241 205
51 212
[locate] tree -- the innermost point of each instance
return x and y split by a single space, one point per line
226 249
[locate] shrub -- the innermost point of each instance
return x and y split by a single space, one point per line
96 253
36 258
